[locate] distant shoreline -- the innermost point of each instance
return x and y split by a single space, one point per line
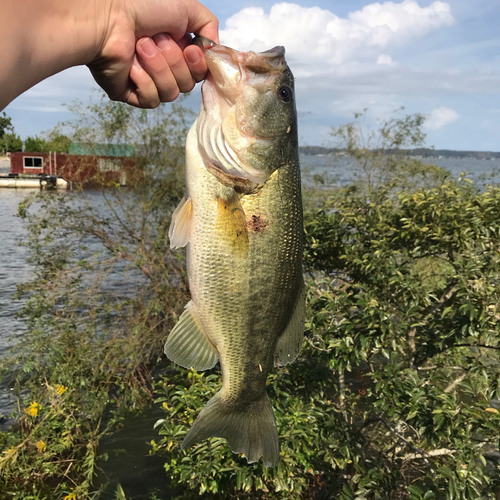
417 153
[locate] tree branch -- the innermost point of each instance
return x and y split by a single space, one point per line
432 453
455 383
418 451
484 346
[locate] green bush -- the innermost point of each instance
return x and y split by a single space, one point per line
393 395
410 294
212 468
52 437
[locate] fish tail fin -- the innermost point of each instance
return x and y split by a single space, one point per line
252 432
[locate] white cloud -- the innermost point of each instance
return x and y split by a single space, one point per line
386 60
318 35
440 117
344 64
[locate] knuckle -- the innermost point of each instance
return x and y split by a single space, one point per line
164 74
177 64
186 87
150 101
122 96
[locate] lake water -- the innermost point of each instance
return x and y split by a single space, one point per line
14 270
130 469
342 171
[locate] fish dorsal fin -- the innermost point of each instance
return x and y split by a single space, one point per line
290 342
180 225
187 345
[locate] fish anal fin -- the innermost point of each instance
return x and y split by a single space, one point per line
187 345
180 225
290 342
252 432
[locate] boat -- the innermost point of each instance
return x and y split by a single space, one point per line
41 181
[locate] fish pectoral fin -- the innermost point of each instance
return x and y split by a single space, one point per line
180 225
252 431
187 345
290 342
231 222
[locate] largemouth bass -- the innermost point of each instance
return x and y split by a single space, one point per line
242 221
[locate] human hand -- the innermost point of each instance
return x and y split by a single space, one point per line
146 57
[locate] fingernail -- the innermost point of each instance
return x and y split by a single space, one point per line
148 47
192 56
162 40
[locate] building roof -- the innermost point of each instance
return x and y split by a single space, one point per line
80 148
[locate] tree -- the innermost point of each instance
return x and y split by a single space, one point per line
58 143
11 142
35 145
5 124
382 156
55 142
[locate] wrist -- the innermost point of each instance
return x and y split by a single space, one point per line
70 31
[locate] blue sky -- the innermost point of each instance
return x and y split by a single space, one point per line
439 58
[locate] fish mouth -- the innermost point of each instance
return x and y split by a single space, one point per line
229 69
272 60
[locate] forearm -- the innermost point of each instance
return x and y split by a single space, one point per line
43 37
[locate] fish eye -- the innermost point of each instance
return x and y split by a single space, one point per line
285 94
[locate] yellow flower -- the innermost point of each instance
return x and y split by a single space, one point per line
41 446
165 405
61 389
33 409
71 496
10 450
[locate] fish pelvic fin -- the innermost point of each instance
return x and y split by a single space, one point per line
180 226
187 345
290 342
252 431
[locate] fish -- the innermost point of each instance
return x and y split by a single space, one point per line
242 222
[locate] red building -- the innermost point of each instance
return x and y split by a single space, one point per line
84 169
